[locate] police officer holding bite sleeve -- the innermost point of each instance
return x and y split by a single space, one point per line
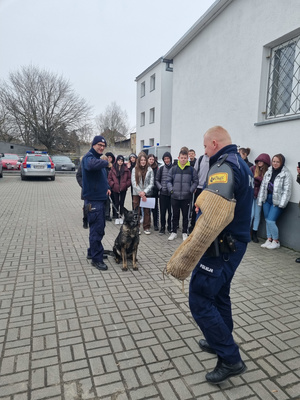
219 240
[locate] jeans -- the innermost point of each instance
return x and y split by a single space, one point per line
271 213
255 215
182 205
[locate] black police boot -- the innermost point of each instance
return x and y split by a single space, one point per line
206 347
297 260
224 371
85 223
254 237
99 265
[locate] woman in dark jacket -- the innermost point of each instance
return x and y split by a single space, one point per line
119 181
153 164
262 163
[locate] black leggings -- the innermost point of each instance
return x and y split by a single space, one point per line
119 200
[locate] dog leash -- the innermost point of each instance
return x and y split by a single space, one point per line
110 199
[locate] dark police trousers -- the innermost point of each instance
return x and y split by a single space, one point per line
96 219
210 303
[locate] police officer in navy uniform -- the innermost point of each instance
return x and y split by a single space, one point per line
95 190
209 296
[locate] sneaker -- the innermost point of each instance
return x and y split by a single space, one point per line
120 221
117 221
184 236
273 245
147 232
140 232
266 244
172 236
162 232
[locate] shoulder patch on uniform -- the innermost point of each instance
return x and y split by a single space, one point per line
220 177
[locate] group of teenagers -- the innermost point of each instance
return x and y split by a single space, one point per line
173 187
176 185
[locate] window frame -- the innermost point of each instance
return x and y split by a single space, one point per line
281 94
143 89
152 115
152 82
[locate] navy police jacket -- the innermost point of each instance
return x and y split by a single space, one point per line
243 192
94 177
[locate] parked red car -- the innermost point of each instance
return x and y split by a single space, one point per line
10 161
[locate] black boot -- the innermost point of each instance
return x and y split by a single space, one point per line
254 237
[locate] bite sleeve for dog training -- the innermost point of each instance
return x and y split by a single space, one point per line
217 205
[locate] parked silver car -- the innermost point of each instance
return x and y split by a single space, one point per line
37 163
63 163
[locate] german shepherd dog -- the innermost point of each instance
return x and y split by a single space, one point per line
127 241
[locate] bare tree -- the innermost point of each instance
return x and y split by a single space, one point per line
113 123
42 107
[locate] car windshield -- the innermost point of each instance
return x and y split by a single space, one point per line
11 157
37 158
61 159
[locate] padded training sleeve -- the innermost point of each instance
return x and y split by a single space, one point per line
217 213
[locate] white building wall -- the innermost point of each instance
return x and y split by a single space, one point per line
217 80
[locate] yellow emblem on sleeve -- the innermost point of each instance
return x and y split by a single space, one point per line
221 177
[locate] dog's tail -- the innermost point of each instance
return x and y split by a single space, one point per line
109 253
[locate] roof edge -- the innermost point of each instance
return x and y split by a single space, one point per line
159 61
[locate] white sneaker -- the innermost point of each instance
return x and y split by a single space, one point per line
184 236
266 244
117 221
172 236
120 221
147 232
273 245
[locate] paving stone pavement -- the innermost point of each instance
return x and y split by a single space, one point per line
68 331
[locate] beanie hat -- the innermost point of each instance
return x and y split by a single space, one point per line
132 155
109 154
120 158
98 139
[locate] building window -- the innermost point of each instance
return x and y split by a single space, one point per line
142 119
143 89
284 80
151 142
152 82
152 115
142 144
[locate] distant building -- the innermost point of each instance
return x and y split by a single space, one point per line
14 148
154 106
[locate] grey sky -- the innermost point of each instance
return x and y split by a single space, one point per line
100 46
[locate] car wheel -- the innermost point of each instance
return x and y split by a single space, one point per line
52 178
